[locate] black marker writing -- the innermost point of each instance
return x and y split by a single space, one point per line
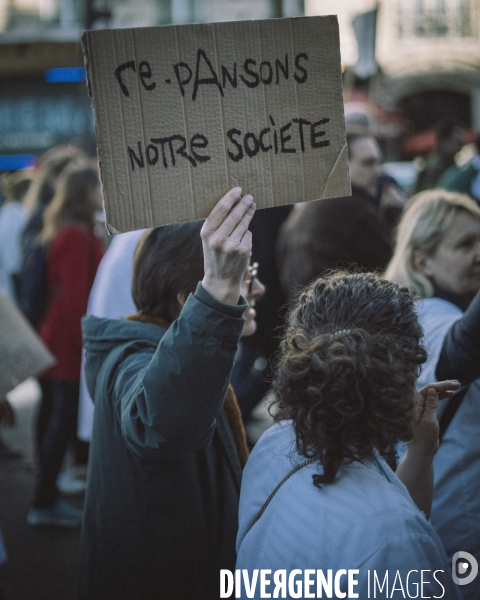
284 142
144 72
287 139
169 148
252 74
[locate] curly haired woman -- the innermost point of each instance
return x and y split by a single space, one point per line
345 395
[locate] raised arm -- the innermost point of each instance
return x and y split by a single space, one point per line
169 402
415 470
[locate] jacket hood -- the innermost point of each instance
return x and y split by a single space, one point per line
101 337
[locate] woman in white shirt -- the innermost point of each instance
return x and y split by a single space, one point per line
438 257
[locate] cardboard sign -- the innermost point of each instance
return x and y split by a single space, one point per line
22 352
184 113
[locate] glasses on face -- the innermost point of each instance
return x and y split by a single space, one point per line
252 271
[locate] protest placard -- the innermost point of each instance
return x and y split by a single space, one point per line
184 113
22 352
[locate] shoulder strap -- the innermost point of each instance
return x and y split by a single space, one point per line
450 411
270 498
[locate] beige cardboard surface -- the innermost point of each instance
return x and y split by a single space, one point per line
184 113
22 352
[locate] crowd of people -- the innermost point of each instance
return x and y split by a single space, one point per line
359 315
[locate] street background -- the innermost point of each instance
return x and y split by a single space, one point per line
43 563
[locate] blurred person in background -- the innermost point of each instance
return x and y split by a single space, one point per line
354 231
12 219
110 297
168 443
466 179
74 253
44 183
42 189
438 256
449 139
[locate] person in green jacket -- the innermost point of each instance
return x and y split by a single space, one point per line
449 139
168 443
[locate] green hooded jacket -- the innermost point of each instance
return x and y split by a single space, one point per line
164 475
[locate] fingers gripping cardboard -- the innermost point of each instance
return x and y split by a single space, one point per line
184 113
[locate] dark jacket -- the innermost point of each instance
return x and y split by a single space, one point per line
332 233
164 476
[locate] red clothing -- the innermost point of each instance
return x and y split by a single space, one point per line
73 258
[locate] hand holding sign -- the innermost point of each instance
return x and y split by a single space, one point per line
227 245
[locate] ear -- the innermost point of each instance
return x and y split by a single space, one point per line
420 262
182 298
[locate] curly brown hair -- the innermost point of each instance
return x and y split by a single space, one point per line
347 369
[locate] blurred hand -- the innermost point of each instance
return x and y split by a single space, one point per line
227 245
7 414
424 416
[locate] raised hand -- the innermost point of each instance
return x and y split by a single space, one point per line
424 415
416 468
227 245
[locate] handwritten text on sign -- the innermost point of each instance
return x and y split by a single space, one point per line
248 144
225 98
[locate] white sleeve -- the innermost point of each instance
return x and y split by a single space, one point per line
436 317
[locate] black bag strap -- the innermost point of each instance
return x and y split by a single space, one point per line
450 411
270 498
